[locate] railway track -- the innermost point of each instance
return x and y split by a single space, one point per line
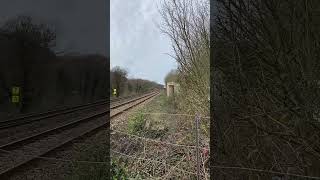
22 151
33 117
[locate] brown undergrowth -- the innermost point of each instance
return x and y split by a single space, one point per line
146 143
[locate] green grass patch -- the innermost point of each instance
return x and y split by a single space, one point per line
118 171
161 103
136 123
146 126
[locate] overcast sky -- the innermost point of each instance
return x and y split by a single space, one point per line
82 25
136 42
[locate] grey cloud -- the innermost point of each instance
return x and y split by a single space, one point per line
81 24
135 37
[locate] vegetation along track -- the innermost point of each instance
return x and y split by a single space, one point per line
22 151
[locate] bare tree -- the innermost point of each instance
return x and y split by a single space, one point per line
29 33
119 78
186 23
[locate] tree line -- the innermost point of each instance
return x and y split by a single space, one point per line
46 79
125 86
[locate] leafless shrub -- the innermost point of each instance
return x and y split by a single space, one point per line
266 73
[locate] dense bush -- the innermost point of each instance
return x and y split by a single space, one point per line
265 74
187 24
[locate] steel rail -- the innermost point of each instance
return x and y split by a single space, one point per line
48 114
24 160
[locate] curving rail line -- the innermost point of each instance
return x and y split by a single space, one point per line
33 117
27 149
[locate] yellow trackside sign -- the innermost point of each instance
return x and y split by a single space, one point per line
114 91
16 90
15 98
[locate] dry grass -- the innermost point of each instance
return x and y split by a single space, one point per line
146 154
